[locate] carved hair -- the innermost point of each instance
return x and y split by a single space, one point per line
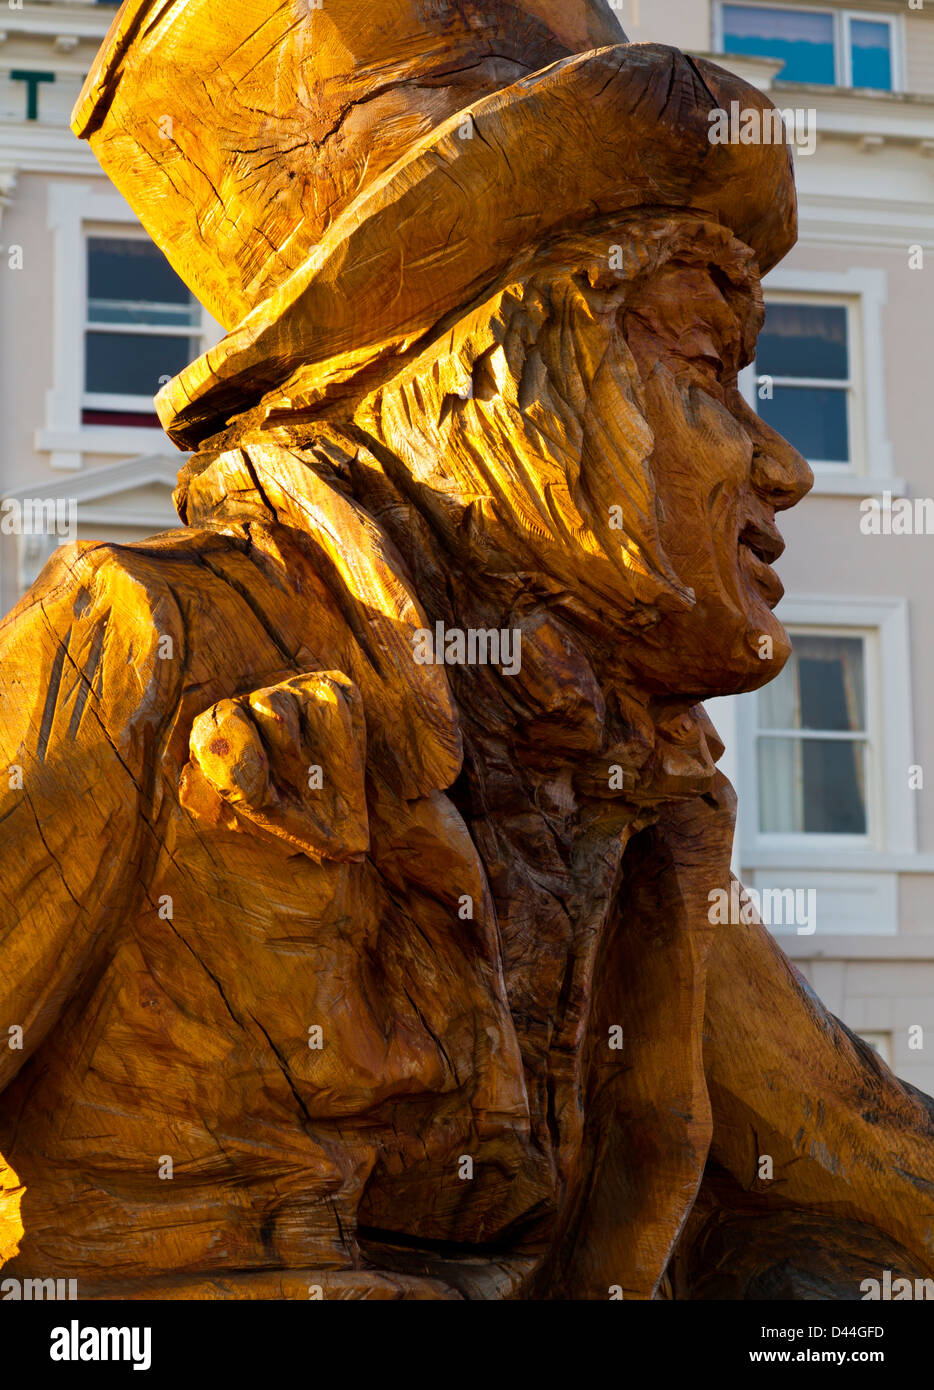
519 428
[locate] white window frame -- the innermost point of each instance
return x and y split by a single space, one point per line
98 400
73 208
864 292
844 58
870 737
890 804
842 49
853 386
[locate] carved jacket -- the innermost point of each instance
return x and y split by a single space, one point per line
285 1017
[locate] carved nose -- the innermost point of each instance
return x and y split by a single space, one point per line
778 472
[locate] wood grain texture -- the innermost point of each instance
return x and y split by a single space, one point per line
327 965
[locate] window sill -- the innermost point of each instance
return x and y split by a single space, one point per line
782 84
854 861
68 446
846 484
902 946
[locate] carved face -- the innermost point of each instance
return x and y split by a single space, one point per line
721 474
585 426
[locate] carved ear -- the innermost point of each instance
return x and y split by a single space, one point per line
289 759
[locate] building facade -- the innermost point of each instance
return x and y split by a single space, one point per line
93 318
833 762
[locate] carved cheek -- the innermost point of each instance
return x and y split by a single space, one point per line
702 452
701 467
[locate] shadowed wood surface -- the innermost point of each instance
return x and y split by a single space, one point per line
359 836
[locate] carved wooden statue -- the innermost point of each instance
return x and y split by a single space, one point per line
359 836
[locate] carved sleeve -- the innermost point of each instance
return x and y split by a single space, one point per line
88 668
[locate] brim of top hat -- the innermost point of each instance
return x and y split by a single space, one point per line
606 132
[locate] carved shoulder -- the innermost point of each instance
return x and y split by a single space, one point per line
85 690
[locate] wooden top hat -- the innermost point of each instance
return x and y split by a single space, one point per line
238 130
334 181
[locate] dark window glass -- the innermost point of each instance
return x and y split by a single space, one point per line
813 786
830 681
813 419
821 687
833 803
130 281
131 364
804 340
138 419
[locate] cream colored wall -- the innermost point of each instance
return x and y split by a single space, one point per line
683 23
27 310
26 316
55 99
916 908
919 50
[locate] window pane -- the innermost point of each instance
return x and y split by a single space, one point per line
130 281
780 787
130 364
804 41
804 340
812 786
870 51
834 788
813 419
830 681
778 701
815 785
821 687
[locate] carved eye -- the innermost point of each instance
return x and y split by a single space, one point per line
713 362
712 369
702 348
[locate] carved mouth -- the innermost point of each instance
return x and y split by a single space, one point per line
763 540
759 546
